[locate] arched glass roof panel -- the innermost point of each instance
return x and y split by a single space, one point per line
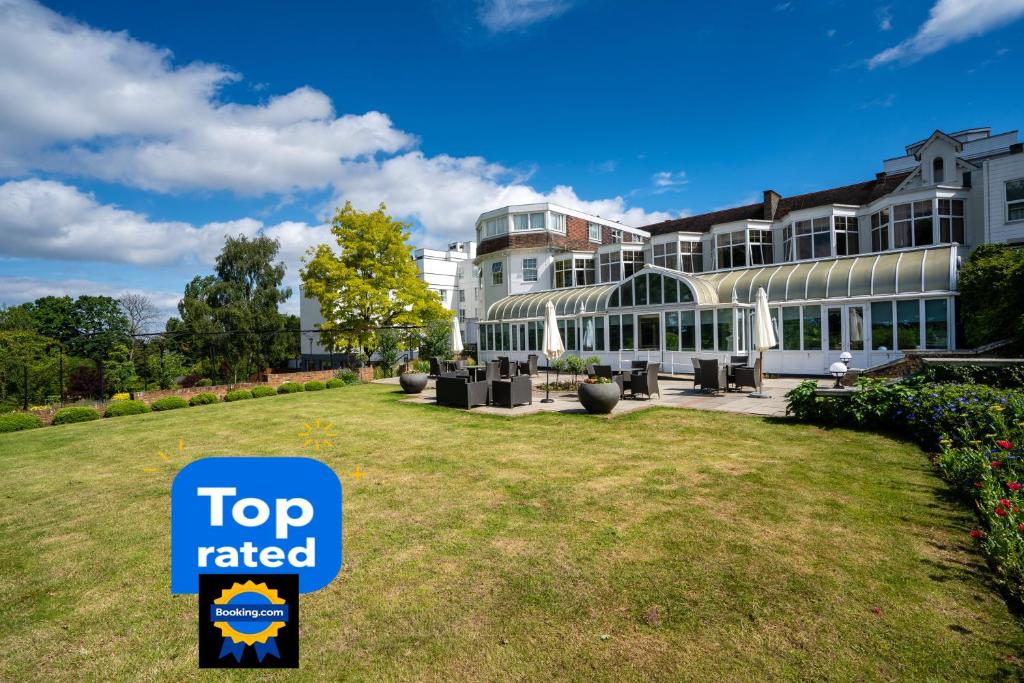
908 275
883 280
860 276
839 278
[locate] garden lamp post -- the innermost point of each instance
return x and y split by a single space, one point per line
838 370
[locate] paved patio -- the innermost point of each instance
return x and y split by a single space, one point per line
676 392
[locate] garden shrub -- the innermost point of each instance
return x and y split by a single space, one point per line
1001 376
351 376
122 408
204 382
203 399
75 414
237 395
334 383
263 391
15 422
990 284
169 403
314 385
290 388
122 396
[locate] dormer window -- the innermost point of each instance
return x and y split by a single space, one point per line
938 170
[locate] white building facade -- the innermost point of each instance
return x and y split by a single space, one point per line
869 269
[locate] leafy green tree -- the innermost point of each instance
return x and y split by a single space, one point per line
991 283
437 340
389 346
21 353
370 283
120 372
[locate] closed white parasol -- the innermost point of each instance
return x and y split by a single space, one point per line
764 334
553 347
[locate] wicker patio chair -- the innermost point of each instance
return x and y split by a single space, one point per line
459 392
512 392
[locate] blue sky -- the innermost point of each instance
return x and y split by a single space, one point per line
133 136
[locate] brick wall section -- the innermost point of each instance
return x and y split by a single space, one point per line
576 238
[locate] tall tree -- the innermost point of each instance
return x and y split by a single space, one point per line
370 283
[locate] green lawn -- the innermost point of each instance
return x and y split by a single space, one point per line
665 544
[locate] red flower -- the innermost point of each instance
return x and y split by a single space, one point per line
877 611
1013 486
996 463
1021 526
1016 509
1000 512
1004 444
978 533
1005 502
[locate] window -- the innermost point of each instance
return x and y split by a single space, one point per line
494 226
881 326
938 170
791 328
632 261
506 337
521 221
731 249
1015 200
707 330
599 333
761 247
835 329
626 294
687 332
847 240
812 328
462 296
627 333
856 328
616 236
787 243
936 328
529 270
611 268
497 273
809 239
563 273
671 288
672 331
594 232
640 290
654 288
666 255
912 224
583 271
614 333
534 334
880 230
951 220
639 239
557 222
691 257
725 329
908 324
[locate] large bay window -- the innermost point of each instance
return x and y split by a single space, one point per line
847 239
951 220
574 272
761 247
528 221
667 255
1015 200
691 257
912 224
731 249
880 230
494 226
611 267
632 261
563 273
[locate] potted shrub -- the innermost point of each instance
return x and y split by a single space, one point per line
598 395
414 381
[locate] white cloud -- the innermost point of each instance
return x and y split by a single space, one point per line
17 290
499 16
51 220
669 181
884 16
89 102
949 22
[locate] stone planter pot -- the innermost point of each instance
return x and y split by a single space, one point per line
599 398
413 382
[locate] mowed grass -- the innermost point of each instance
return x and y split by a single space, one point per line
661 545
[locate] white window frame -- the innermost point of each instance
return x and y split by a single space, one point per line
694 251
497 273
594 232
1016 203
557 222
527 269
616 236
562 266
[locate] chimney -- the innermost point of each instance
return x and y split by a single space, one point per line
771 204
880 176
1016 148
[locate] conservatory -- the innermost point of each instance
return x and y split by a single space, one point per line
874 306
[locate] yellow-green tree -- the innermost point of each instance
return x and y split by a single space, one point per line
369 282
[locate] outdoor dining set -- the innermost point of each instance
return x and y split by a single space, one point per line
500 382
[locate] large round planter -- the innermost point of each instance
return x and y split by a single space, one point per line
599 398
413 382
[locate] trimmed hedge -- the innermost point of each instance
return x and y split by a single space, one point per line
237 395
334 383
203 399
75 414
204 382
263 392
169 403
314 385
122 408
290 388
16 422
